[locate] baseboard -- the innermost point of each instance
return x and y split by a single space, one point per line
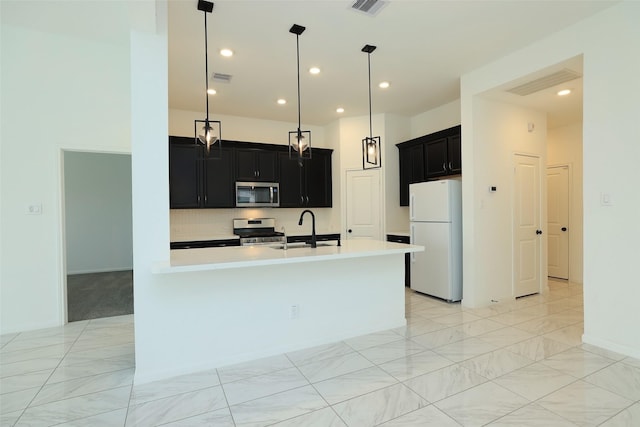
611 346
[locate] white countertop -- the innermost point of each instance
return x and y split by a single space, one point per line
202 259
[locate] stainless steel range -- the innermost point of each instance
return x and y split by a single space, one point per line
257 231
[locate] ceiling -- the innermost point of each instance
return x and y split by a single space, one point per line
422 49
423 46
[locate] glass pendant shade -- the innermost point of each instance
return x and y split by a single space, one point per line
300 142
208 132
371 157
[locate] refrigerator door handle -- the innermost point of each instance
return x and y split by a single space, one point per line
412 240
412 200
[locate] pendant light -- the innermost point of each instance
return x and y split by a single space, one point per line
207 132
299 140
371 145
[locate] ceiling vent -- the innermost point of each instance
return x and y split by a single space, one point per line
545 82
221 78
370 7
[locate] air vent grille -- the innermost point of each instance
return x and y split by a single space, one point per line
221 78
545 82
370 7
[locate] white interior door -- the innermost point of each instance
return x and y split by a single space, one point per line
363 205
558 222
527 231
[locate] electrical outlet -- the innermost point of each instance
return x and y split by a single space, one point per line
295 311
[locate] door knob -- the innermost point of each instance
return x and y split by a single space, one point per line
349 230
538 231
564 229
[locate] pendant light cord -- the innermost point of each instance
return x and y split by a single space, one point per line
298 63
370 121
206 66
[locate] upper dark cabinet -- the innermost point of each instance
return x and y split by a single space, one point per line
184 174
256 165
219 183
198 180
308 185
429 157
454 153
435 158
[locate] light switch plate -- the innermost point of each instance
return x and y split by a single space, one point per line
34 209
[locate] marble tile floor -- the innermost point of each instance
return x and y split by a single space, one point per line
516 364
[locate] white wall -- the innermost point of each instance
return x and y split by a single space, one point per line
236 128
564 147
97 211
500 131
443 117
58 93
397 129
610 148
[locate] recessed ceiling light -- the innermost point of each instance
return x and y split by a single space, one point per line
211 91
339 110
383 85
226 52
564 92
281 101
314 70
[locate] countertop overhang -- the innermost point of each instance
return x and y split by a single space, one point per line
204 259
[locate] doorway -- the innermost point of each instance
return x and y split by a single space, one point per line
558 221
527 230
98 234
363 209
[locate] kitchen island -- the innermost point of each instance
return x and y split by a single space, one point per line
221 306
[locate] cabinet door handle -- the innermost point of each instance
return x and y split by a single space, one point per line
444 166
450 167
301 199
258 173
307 199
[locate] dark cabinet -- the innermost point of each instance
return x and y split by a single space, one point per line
429 157
219 184
435 158
255 165
454 154
197 180
184 175
308 185
411 169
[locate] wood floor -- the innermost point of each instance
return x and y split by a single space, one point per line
96 295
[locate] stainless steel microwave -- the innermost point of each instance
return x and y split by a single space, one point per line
257 194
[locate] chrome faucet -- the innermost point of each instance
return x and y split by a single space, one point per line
313 226
284 244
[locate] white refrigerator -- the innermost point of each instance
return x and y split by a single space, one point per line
435 214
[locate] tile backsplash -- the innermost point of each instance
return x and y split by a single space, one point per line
209 224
